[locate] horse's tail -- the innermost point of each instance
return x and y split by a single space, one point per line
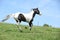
7 17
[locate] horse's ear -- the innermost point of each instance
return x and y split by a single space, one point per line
36 8
33 9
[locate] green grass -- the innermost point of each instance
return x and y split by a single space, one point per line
10 32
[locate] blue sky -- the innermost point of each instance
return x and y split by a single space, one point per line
50 10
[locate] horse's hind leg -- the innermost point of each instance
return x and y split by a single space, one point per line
19 28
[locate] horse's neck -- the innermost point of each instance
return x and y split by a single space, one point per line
32 14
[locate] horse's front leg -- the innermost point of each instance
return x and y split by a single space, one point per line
30 24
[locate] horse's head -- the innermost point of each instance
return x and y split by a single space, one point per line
36 10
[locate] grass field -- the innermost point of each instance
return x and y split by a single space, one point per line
10 32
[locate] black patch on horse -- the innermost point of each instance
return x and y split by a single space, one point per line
21 17
30 23
35 12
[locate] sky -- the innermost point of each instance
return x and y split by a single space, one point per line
50 10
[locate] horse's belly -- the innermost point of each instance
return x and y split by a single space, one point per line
28 19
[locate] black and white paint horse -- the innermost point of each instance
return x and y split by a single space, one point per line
24 17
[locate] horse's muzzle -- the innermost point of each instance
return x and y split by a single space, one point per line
40 14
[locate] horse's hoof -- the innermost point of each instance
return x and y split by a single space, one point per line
30 29
25 27
21 31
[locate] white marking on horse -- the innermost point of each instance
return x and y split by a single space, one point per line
24 17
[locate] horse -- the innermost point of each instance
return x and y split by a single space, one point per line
19 16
